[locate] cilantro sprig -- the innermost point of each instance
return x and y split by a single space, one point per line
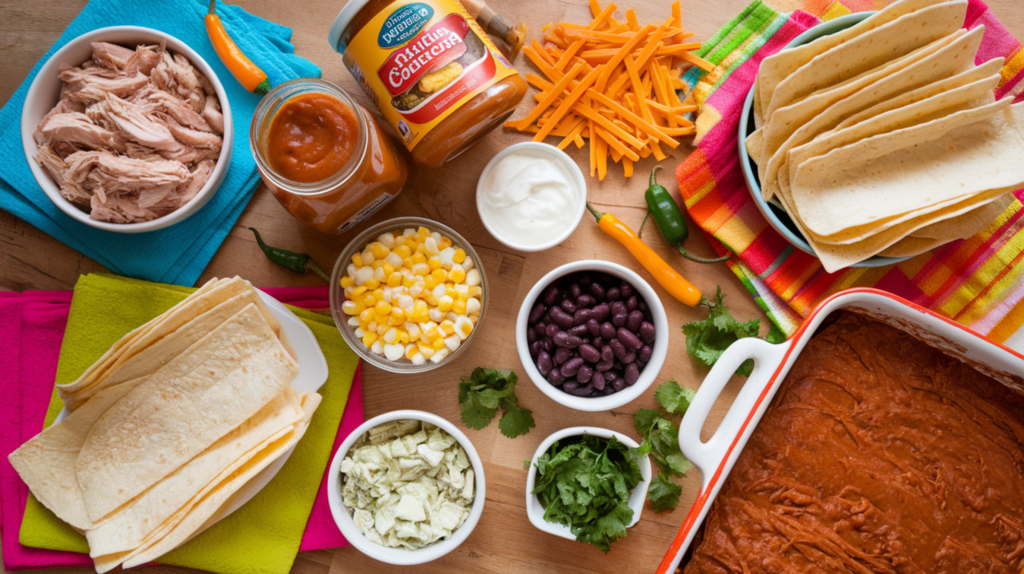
706 340
484 393
583 482
661 441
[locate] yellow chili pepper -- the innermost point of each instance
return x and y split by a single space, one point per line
673 282
248 74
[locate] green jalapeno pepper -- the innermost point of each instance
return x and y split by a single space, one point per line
670 218
297 262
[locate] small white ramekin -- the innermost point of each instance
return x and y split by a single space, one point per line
534 510
651 369
401 556
44 92
557 155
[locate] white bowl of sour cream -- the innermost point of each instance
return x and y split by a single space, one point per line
531 196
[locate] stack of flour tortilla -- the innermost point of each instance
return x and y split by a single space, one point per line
175 418
885 138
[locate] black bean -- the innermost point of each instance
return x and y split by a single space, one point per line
537 312
597 291
570 385
632 373
551 330
581 316
571 366
604 365
632 303
618 384
583 391
540 329
583 280
607 353
578 331
568 306
601 312
627 290
562 355
619 320
608 330
598 381
648 316
590 354
561 318
574 290
613 294
628 339
629 357
597 342
573 341
585 301
546 344
585 373
550 295
619 308
593 327
535 349
634 319
647 333
643 306
544 363
645 354
555 377
559 338
531 336
618 349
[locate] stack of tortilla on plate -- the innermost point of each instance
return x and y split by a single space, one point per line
885 138
175 418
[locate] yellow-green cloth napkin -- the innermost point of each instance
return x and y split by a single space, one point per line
261 537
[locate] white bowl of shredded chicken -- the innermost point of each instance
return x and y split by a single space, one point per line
127 129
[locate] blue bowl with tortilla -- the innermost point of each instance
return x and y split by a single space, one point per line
776 215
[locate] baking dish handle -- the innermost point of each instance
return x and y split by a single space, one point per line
707 456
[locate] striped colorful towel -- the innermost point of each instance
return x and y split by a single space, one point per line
975 281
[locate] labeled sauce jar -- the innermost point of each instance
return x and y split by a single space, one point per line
324 157
432 71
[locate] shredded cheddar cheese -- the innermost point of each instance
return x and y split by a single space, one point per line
613 84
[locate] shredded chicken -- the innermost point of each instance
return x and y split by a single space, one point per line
135 136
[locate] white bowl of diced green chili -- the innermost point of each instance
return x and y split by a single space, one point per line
583 443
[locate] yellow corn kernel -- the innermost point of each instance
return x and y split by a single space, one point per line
379 250
475 291
457 274
372 283
434 263
444 304
463 297
419 312
430 299
460 256
378 294
403 251
408 263
383 308
388 269
349 308
459 306
347 281
397 312
447 327
408 281
403 337
419 258
445 243
370 337
430 282
422 233
427 351
420 269
358 291
369 301
394 279
390 336
422 248
438 344
357 260
439 275
366 316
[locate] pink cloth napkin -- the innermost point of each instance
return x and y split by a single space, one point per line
31 330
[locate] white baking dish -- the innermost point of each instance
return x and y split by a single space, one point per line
716 457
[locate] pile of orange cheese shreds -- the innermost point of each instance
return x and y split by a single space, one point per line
613 83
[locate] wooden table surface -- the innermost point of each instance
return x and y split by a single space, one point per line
504 540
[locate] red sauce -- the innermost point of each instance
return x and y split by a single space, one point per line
311 138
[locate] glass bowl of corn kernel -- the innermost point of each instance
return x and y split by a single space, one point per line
408 294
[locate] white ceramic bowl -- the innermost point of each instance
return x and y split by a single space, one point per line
647 376
401 556
535 511
44 93
557 155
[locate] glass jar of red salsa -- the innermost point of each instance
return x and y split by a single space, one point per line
436 77
324 157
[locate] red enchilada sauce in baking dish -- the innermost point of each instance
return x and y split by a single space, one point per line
312 136
436 77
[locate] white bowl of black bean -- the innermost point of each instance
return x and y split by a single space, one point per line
592 335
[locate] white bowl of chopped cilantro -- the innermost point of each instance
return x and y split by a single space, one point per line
385 431
597 464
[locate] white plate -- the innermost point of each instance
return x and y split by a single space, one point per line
312 375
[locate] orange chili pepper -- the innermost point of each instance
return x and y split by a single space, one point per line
248 74
673 282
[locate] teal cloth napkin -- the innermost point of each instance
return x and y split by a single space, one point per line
177 254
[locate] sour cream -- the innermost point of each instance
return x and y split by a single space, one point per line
528 198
